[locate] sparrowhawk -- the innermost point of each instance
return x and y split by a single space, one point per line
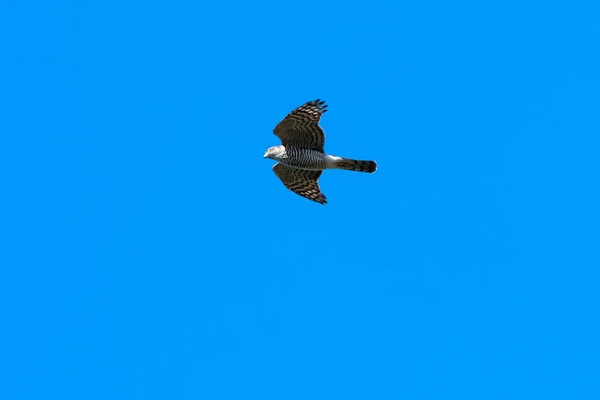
301 157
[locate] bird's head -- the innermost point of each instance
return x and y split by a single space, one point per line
275 153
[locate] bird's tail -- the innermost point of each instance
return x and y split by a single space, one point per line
356 165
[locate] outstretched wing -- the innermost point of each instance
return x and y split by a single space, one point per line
301 128
301 181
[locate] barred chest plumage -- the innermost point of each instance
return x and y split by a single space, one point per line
304 159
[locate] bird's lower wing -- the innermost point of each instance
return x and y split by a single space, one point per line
301 181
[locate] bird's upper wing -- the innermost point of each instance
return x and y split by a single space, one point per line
301 127
301 181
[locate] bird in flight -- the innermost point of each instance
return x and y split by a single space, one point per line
301 158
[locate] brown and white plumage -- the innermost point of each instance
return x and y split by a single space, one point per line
301 181
300 128
301 155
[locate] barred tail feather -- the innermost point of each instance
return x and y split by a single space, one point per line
356 165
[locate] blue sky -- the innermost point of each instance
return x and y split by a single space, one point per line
149 252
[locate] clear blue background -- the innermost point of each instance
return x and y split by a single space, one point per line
149 252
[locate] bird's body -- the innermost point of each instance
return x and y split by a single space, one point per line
317 161
298 157
301 157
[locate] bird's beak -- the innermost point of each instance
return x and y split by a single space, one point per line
265 156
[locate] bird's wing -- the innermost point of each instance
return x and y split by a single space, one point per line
301 127
301 181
